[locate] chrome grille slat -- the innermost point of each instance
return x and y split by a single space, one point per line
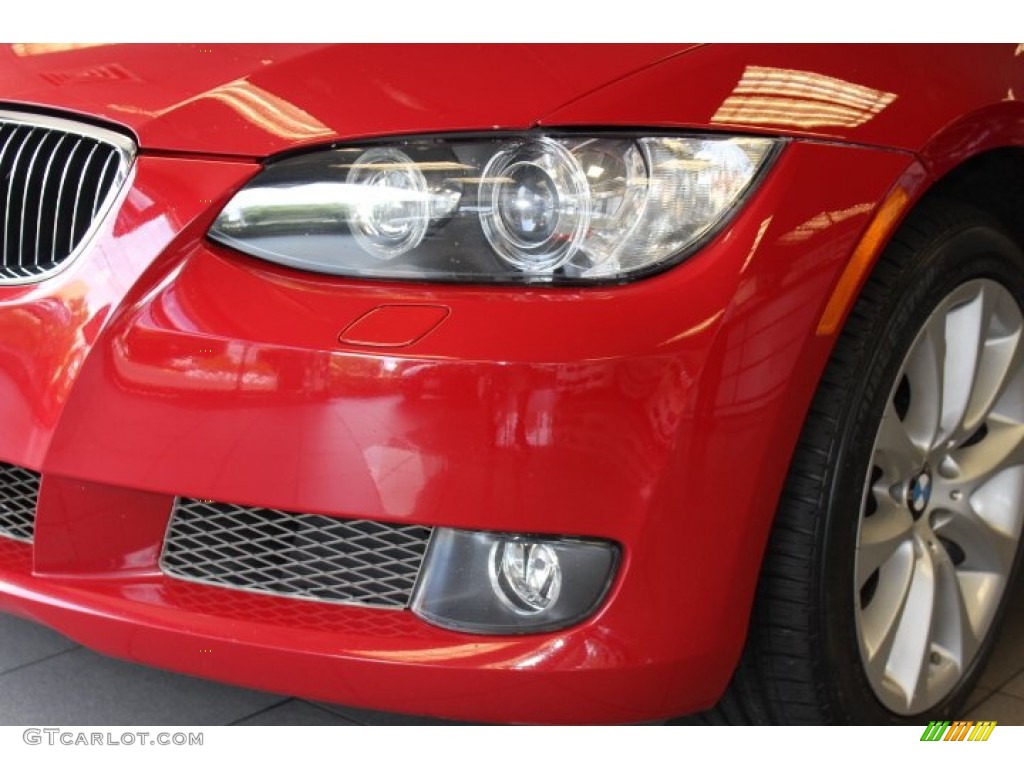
61 176
99 184
17 272
24 196
60 198
11 134
42 197
13 176
78 190
306 556
11 131
19 492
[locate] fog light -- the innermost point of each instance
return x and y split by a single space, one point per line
525 574
496 583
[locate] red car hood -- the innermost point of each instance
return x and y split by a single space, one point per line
254 100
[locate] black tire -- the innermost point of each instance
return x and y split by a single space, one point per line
802 663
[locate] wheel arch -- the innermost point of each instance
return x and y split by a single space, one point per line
801 522
987 173
992 181
978 159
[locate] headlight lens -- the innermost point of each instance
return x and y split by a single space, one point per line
393 215
509 209
535 206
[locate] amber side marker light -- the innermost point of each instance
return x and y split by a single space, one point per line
875 237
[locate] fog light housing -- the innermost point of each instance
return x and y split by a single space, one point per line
500 583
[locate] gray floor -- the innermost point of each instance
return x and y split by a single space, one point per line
46 680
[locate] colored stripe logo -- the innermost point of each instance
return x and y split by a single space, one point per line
958 730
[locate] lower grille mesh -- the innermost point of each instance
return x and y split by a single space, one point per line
314 557
19 492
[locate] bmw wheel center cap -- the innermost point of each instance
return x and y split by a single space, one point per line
920 493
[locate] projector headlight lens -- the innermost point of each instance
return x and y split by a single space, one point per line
393 214
536 205
511 209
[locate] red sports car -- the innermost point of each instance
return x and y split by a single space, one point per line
519 383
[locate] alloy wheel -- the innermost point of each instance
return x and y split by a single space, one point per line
943 502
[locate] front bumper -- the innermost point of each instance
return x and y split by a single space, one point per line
660 415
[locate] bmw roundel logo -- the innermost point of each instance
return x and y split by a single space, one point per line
920 492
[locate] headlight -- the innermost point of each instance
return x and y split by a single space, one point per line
506 209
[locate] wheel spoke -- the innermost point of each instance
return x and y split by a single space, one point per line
881 535
1002 447
1000 361
925 372
986 525
896 451
985 547
955 631
880 620
907 665
965 326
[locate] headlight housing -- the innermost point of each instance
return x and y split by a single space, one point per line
528 208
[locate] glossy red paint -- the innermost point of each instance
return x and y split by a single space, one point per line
161 364
51 327
895 96
394 325
255 100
